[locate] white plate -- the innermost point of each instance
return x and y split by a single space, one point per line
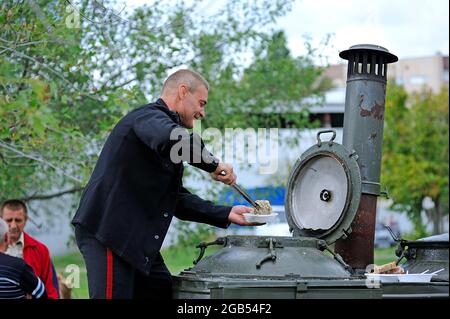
383 277
252 218
415 277
400 277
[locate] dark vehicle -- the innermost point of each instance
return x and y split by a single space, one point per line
383 238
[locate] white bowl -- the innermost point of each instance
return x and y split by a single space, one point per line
415 277
253 218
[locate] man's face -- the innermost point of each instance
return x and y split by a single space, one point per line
193 105
16 220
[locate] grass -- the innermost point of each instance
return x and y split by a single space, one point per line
63 264
384 255
176 259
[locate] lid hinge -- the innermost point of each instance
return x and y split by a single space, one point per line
323 246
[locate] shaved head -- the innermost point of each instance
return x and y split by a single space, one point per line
190 78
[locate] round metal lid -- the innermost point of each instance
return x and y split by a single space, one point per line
324 191
390 58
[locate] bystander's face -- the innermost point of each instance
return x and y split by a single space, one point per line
193 105
16 220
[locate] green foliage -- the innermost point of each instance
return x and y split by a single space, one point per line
39 147
189 234
415 153
416 234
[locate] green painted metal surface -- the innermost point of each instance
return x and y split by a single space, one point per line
290 256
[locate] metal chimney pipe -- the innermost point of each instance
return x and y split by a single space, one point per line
363 132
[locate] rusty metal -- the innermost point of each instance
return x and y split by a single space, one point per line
358 248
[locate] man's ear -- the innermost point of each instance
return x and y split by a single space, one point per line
182 91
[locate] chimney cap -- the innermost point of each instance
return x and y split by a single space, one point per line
390 58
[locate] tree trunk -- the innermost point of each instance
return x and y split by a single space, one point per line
416 218
437 217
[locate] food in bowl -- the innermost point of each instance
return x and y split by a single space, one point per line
265 208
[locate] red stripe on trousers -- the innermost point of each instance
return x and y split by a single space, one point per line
109 273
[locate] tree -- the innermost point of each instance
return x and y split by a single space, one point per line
69 70
415 153
40 147
272 91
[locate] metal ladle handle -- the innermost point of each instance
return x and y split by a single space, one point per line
244 194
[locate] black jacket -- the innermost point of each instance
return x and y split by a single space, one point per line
136 189
18 279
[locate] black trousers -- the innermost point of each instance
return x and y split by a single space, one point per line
110 277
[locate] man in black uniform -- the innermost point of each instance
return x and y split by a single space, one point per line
136 188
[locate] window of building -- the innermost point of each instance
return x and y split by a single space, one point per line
399 81
418 79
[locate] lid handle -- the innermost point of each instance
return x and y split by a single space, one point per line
271 255
330 142
202 246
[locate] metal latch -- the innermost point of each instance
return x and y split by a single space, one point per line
202 246
271 243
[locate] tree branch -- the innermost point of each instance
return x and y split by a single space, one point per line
55 72
50 196
22 55
3 158
122 84
40 160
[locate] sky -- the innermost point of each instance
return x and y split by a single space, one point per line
407 28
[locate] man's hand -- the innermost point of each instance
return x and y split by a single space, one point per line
236 216
227 177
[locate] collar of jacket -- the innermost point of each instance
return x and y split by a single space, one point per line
28 241
160 104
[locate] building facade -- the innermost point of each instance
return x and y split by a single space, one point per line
413 73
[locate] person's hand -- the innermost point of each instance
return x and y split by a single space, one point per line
224 173
236 216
